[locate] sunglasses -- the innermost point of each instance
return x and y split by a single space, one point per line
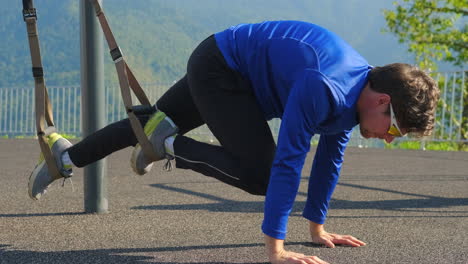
394 129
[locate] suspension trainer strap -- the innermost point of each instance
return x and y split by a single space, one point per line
44 119
126 80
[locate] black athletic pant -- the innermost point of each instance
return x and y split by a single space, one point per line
210 93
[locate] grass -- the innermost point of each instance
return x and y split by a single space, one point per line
431 145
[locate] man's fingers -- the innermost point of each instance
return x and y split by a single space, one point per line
361 243
328 243
318 260
343 241
347 240
355 240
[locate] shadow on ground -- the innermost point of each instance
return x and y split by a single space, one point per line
42 214
220 204
101 256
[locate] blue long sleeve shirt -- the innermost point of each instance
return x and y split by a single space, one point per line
311 79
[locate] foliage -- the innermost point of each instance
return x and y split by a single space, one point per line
434 30
445 146
431 145
404 145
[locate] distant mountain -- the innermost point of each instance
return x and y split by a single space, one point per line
157 36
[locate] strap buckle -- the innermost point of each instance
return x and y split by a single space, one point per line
116 54
29 13
141 110
37 72
47 132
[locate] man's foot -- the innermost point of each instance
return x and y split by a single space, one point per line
40 178
158 128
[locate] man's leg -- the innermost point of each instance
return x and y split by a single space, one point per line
120 135
212 93
225 101
113 137
103 142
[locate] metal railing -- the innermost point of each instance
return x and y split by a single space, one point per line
17 110
451 122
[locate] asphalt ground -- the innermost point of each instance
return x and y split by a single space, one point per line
408 206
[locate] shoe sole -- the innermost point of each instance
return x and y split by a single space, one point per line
32 179
133 159
136 151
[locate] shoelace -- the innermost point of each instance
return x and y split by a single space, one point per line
168 165
71 182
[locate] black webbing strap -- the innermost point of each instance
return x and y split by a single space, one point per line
44 119
126 81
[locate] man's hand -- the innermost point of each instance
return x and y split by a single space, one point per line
277 254
320 236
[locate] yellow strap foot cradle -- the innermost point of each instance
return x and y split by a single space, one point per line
44 119
126 81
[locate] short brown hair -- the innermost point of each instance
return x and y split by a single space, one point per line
414 95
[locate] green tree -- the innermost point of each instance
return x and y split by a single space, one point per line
435 30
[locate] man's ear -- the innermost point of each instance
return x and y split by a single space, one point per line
384 99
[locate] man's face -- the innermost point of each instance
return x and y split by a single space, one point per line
376 116
377 123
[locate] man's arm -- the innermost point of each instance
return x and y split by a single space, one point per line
324 174
307 105
324 177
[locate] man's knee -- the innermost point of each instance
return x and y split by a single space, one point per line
258 189
256 181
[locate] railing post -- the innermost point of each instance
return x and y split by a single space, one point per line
462 94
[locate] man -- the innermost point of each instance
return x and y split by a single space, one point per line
240 78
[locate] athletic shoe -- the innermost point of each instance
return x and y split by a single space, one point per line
40 178
158 128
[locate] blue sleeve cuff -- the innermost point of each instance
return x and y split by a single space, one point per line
307 214
273 233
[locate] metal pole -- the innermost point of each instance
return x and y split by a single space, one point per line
2 111
69 115
93 104
437 128
462 93
23 120
444 105
452 110
76 113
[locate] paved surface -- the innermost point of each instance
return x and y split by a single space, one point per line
409 206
